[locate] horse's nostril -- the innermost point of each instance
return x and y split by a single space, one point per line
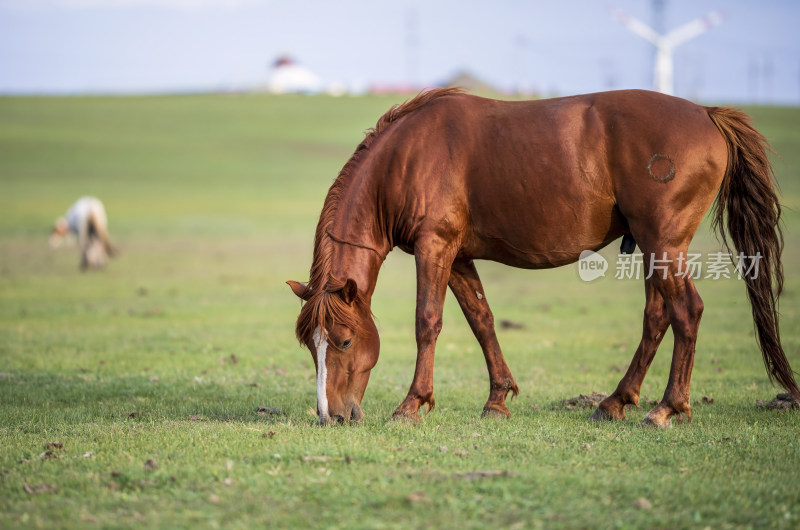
338 419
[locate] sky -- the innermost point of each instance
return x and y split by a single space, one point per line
550 47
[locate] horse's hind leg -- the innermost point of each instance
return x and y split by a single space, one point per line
684 307
466 286
656 322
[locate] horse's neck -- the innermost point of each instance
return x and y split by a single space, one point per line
355 231
359 246
360 263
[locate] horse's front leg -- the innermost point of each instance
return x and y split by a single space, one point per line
434 259
466 285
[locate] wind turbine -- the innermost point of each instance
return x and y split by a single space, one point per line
666 43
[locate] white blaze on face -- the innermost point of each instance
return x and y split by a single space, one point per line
321 344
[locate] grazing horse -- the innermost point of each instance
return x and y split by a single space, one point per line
452 178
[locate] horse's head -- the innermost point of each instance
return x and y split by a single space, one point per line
336 325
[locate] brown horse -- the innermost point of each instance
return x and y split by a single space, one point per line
452 178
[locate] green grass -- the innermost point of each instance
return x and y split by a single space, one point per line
167 355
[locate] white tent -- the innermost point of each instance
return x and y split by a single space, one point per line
288 77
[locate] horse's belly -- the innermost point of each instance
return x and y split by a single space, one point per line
543 235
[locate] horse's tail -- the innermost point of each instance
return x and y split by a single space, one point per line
747 206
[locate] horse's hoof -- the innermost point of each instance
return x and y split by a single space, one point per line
601 414
608 412
661 423
495 412
406 417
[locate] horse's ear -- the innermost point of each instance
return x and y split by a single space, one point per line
349 291
300 289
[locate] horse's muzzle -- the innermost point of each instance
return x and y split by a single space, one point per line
351 414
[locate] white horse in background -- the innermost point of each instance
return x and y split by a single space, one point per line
87 220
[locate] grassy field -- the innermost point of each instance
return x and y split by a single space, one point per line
130 396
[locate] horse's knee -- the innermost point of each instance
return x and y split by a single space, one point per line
485 320
429 325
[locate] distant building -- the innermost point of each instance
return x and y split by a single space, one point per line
471 82
288 77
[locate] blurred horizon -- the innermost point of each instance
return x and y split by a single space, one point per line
69 47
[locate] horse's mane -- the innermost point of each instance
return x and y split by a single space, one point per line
321 282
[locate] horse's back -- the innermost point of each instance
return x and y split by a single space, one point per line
533 183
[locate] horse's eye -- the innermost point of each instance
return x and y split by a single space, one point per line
346 344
